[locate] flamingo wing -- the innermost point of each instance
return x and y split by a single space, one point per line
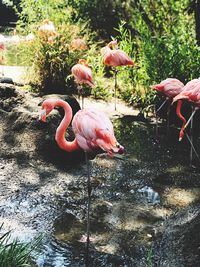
94 130
116 58
83 74
189 91
170 87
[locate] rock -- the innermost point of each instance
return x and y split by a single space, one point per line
6 80
29 135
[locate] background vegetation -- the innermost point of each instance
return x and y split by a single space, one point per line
161 36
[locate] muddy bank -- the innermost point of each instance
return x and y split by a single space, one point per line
145 208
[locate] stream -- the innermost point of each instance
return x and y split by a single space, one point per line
134 198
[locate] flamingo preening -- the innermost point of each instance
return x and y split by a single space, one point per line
83 75
190 93
93 133
170 88
114 57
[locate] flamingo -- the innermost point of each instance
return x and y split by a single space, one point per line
191 93
83 75
114 57
170 87
47 28
30 38
93 133
78 44
2 49
15 37
47 31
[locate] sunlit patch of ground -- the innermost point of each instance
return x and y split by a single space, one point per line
181 197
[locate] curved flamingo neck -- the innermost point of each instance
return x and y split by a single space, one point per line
60 132
178 112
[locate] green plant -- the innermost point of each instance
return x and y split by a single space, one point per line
150 257
15 254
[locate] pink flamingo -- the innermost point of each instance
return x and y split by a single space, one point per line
83 75
2 49
47 31
93 133
114 57
191 93
169 87
47 28
78 44
30 38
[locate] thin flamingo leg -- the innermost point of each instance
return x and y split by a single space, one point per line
81 96
161 105
115 93
191 118
168 112
156 111
82 102
191 137
89 188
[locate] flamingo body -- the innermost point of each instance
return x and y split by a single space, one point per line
170 87
93 130
78 44
190 92
82 73
47 28
115 57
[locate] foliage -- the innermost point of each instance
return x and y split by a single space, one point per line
103 16
13 253
158 35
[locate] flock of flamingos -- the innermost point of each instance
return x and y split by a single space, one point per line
92 128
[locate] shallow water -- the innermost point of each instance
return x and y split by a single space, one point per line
131 199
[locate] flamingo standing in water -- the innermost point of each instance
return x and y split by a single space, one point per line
93 133
169 87
83 75
191 93
114 57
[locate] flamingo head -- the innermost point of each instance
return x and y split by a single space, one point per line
47 106
121 149
181 134
83 62
113 44
158 87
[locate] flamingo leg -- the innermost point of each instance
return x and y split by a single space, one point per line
81 96
161 105
82 102
89 188
191 137
168 112
115 93
195 152
156 111
191 118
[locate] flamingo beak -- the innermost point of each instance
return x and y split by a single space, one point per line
43 115
119 149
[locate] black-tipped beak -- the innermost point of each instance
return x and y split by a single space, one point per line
43 115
